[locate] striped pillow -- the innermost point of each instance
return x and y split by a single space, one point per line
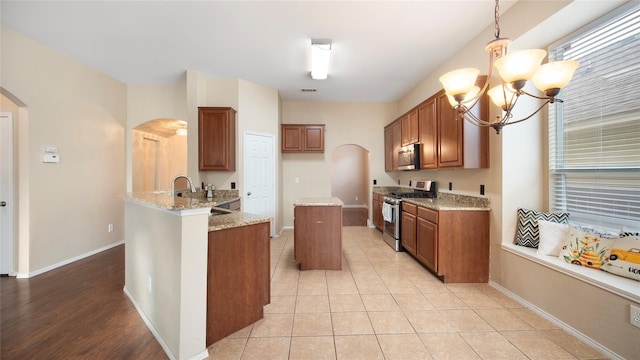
528 232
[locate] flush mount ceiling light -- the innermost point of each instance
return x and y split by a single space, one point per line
320 50
515 70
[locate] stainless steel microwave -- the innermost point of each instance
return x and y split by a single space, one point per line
409 157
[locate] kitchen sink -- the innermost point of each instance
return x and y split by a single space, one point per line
217 211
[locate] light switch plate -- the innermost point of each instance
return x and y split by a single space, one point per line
51 149
634 315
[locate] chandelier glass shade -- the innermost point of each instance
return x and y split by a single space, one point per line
515 70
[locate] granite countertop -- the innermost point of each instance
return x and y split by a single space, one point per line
220 218
318 201
164 200
234 219
444 201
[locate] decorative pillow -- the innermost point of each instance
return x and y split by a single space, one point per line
552 236
585 248
528 233
629 232
624 258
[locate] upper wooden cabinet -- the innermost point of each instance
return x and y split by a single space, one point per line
392 144
446 141
410 127
217 138
460 143
428 134
302 138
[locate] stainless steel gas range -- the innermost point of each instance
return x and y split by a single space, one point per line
392 209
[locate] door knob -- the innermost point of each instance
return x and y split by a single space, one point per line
249 193
3 203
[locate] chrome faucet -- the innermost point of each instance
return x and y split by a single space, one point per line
173 183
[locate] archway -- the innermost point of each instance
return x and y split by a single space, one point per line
349 182
159 153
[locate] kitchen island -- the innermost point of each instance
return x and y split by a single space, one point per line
180 255
317 232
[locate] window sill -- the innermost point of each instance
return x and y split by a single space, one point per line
621 286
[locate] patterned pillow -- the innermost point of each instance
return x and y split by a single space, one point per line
624 258
528 233
586 248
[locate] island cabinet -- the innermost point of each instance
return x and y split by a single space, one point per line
303 138
238 279
376 211
317 233
408 225
454 244
217 138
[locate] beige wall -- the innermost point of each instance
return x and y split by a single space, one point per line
345 123
83 113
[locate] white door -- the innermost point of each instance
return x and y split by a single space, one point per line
259 176
6 192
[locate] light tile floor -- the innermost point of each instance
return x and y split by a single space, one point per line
384 305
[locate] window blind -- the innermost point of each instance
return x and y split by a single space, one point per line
594 136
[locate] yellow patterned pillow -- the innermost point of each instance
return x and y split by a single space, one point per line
624 258
585 248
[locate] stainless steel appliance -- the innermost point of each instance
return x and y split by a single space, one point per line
409 157
392 209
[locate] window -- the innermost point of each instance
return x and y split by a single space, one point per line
594 136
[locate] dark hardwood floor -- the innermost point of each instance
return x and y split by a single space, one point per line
354 216
78 311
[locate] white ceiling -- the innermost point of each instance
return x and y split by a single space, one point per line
381 49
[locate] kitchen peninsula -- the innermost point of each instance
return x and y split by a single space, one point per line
194 271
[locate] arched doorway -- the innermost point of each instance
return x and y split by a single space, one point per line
350 182
159 153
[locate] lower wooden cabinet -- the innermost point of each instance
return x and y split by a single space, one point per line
454 245
408 224
238 279
376 211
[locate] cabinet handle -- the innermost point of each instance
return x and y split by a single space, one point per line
249 193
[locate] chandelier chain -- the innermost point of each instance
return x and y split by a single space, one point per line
496 16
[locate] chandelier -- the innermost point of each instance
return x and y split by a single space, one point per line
515 70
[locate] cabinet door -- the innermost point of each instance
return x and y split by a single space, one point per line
450 139
427 244
396 128
408 233
377 214
409 125
313 138
428 126
217 138
291 138
388 148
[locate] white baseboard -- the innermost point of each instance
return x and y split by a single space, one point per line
584 338
203 355
68 261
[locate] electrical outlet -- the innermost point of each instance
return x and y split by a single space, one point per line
450 186
634 315
149 284
481 189
110 228
356 198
